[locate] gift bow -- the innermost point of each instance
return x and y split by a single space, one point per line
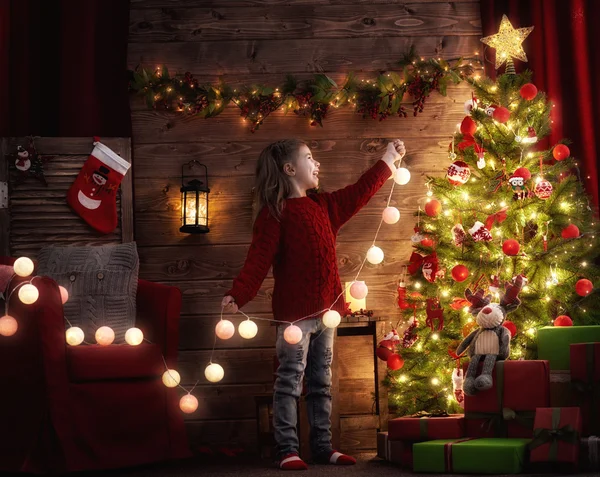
469 140
434 413
552 436
498 217
415 262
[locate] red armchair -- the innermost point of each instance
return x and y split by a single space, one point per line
69 408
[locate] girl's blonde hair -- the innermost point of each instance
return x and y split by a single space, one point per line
272 184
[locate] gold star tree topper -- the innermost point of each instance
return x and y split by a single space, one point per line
508 42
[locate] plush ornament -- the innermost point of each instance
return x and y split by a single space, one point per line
385 349
433 208
490 341
511 247
501 114
434 312
431 269
427 242
470 105
468 126
531 136
460 273
457 386
494 284
410 336
561 152
458 173
528 91
563 320
584 287
29 163
395 362
517 182
543 189
490 110
417 236
480 233
402 303
510 326
480 160
570 231
459 235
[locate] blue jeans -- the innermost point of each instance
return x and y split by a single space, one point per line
314 354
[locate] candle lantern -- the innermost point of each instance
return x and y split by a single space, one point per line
194 202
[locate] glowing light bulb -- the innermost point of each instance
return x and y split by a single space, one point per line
134 336
188 403
331 319
8 325
403 378
435 336
23 266
64 294
417 285
74 336
28 294
292 334
171 378
359 290
375 255
391 215
435 381
402 176
105 335
214 372
224 329
247 329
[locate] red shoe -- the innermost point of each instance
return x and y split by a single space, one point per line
292 462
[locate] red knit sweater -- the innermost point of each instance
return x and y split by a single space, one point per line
301 248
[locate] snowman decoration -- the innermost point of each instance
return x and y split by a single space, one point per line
94 186
23 161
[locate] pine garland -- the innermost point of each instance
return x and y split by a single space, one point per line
312 99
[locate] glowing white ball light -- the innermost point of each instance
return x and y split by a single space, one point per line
64 294
8 325
188 403
391 215
331 319
171 378
214 372
74 336
402 176
28 294
292 334
248 329
23 266
375 255
134 336
359 290
224 329
105 335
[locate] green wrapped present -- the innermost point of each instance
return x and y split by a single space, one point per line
470 456
554 341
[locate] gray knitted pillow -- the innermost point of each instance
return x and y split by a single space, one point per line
102 285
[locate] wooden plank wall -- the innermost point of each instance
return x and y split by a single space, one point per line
260 41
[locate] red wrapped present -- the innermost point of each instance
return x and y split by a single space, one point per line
585 379
398 452
508 408
425 427
556 434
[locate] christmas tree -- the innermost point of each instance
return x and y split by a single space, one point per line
510 206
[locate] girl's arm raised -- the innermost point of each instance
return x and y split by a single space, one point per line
264 246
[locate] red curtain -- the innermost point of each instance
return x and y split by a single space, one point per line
563 51
63 68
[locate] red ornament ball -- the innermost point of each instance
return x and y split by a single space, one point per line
522 172
468 126
501 114
563 320
570 231
460 273
385 349
433 208
561 152
528 91
427 242
510 247
458 173
584 287
395 362
510 326
543 189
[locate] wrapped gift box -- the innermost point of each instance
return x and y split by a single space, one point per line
398 452
508 408
554 341
556 435
585 379
471 456
561 390
426 428
590 453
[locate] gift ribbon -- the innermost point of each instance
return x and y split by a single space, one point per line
415 261
589 387
498 217
423 417
448 452
553 435
498 420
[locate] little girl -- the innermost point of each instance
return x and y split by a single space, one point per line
295 232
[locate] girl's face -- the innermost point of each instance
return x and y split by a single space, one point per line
305 169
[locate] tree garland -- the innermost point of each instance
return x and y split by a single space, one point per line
312 98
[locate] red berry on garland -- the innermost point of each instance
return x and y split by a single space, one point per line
510 326
563 320
395 362
460 273
458 173
528 91
584 287
468 126
523 172
561 152
501 114
433 208
570 231
511 247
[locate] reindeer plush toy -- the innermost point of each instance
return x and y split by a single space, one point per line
491 341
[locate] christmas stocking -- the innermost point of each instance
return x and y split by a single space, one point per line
93 194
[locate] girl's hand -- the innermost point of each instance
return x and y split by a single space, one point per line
229 305
399 147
